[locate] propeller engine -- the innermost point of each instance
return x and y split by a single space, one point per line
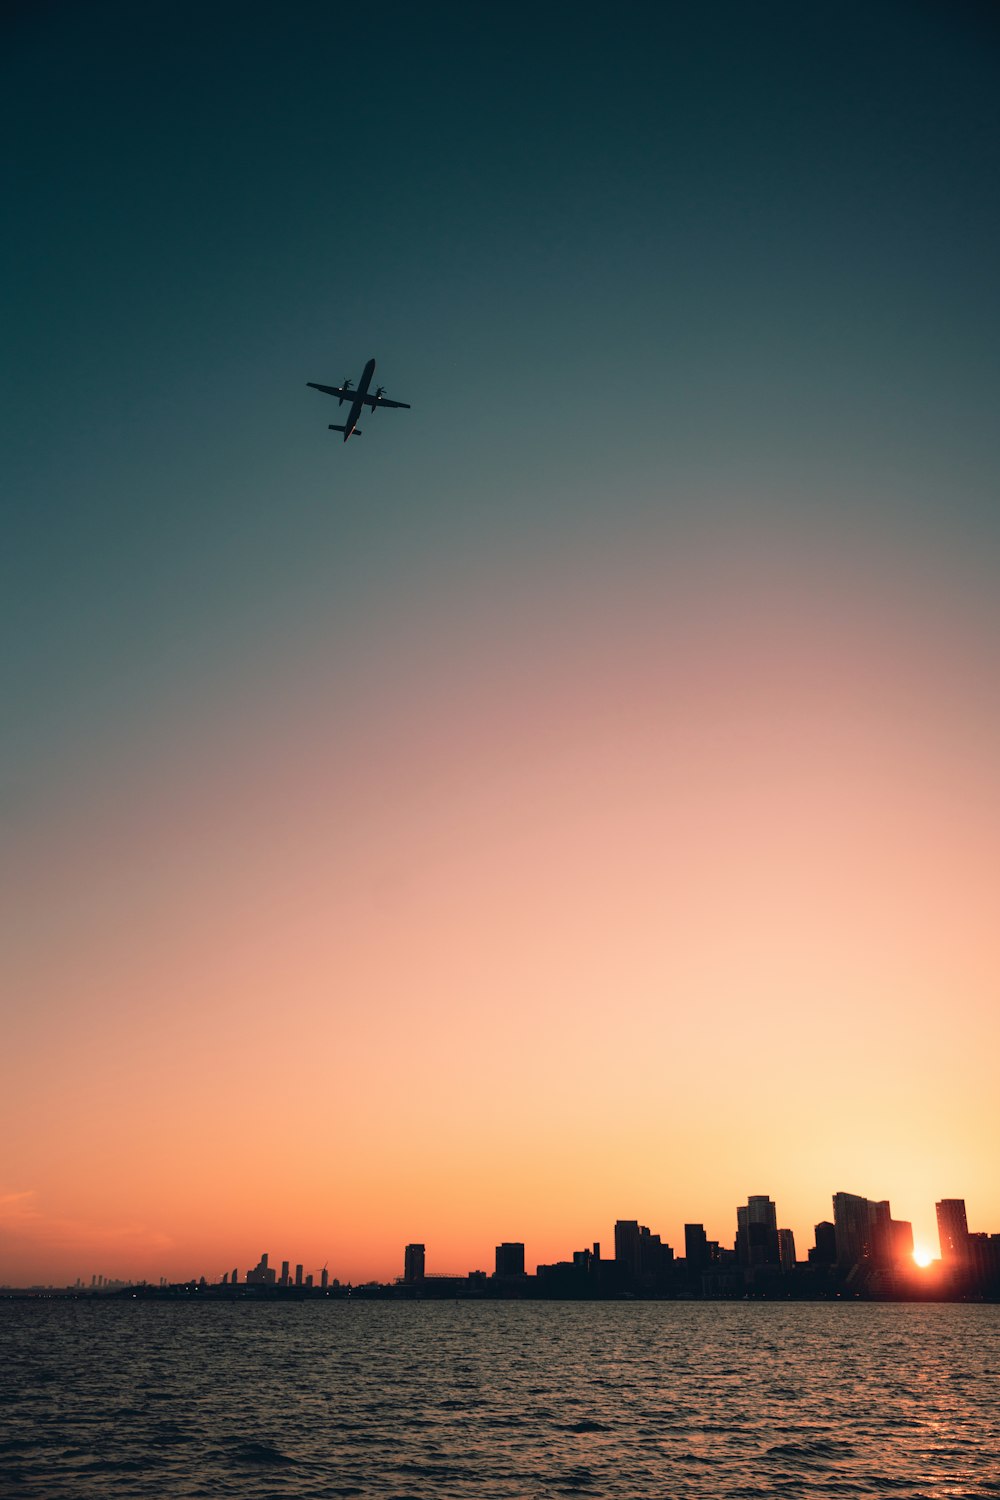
379 393
348 382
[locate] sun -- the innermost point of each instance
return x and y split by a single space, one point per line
922 1256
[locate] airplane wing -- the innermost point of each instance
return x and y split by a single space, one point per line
374 401
334 390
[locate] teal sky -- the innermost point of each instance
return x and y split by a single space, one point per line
622 268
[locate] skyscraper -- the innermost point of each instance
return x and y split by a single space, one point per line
786 1249
899 1241
695 1246
510 1259
261 1275
413 1263
757 1232
953 1231
628 1247
867 1234
825 1251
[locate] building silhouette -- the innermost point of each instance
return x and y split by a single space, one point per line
413 1263
868 1238
261 1275
757 1233
696 1253
628 1253
953 1231
824 1252
509 1259
786 1250
642 1260
855 1220
898 1241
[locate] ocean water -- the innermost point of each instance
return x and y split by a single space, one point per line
437 1400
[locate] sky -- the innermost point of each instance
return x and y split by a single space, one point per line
578 798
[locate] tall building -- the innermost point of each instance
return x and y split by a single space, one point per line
983 1260
899 1241
639 1255
628 1247
695 1246
261 1275
786 1249
757 1232
510 1259
283 1281
655 1258
852 1224
298 1275
824 1252
413 1263
953 1231
866 1233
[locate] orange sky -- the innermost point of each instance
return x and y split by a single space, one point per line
627 888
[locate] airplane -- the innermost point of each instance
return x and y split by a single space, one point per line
358 398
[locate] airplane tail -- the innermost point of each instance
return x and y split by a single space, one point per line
335 428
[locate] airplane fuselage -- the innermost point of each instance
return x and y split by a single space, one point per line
358 403
357 400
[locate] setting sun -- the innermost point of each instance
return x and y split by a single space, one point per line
922 1256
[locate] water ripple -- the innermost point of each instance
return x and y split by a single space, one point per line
517 1401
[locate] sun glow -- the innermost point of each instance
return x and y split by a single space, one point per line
922 1256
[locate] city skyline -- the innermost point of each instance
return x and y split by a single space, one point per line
857 1224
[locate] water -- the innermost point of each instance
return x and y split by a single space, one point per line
445 1401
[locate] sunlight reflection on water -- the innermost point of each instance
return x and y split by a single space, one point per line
512 1400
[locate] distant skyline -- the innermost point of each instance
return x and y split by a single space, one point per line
583 799
856 1229
948 1243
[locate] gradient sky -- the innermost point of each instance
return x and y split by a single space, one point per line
580 797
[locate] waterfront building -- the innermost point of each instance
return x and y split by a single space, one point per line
509 1259
824 1252
262 1274
695 1246
786 1249
953 1231
641 1258
413 1263
627 1247
983 1261
899 1238
867 1235
655 1257
757 1232
856 1223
